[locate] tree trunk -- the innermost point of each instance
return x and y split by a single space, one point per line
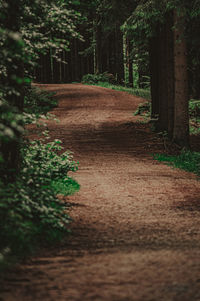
170 72
154 76
14 81
181 115
163 97
112 53
76 60
98 50
119 56
48 67
129 62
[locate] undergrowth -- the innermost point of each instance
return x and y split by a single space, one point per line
186 160
98 78
37 101
144 110
31 212
107 81
144 93
194 112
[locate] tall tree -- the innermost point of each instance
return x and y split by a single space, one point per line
12 78
181 115
166 34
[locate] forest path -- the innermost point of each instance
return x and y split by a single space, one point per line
136 228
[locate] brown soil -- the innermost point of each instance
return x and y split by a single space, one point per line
136 229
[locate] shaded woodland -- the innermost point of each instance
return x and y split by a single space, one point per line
134 41
139 44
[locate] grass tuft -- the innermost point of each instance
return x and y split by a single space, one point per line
186 160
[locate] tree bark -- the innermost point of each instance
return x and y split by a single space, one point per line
163 96
14 81
181 115
154 75
98 49
119 56
129 62
170 72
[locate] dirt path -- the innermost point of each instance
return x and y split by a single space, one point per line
136 229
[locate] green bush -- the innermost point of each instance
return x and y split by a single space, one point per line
30 211
12 121
38 101
144 109
96 78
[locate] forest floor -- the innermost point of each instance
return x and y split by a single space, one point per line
136 222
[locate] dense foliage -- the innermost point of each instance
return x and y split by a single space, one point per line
32 173
37 101
98 78
30 211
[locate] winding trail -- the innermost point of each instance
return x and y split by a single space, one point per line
136 229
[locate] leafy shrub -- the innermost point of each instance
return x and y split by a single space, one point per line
143 109
96 78
38 101
187 160
66 186
30 211
12 121
146 82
